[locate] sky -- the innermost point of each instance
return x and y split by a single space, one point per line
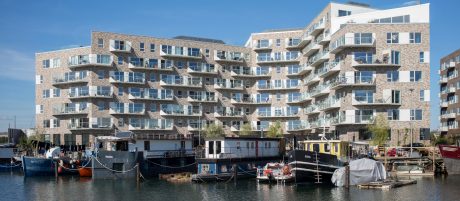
27 27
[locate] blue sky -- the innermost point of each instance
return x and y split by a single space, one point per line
27 27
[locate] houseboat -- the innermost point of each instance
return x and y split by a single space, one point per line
316 160
226 157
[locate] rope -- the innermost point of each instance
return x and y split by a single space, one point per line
171 166
248 173
134 167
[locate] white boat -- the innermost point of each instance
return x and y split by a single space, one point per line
278 172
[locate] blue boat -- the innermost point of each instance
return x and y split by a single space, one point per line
35 166
7 160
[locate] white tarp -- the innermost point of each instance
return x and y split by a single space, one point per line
53 152
361 171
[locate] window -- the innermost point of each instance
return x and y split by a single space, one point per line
120 60
415 37
344 13
56 63
416 114
393 38
100 106
152 77
46 123
210 147
146 145
415 76
121 122
152 47
120 91
422 57
425 133
46 93
393 114
179 64
40 109
100 42
56 92
46 63
56 123
395 96
41 79
395 59
278 42
141 47
392 76
422 95
153 107
364 96
207 52
278 96
278 69
100 74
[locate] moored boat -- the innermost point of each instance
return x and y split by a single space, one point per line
274 172
227 157
451 157
37 166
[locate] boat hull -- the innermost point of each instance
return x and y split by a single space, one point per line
451 157
305 169
85 172
33 166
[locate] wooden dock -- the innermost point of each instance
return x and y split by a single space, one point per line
387 184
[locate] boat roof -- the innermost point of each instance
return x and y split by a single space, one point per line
242 139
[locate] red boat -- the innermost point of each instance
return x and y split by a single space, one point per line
451 157
85 172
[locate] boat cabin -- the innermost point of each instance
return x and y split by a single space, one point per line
332 147
239 147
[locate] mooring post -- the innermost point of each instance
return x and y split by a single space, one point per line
56 169
434 160
347 176
235 172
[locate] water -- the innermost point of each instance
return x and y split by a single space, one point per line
13 186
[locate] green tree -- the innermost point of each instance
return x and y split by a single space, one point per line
213 130
246 129
275 130
379 129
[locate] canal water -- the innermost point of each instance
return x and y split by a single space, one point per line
13 186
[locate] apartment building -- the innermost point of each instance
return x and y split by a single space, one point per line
350 64
449 83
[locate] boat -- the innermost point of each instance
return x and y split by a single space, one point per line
316 160
225 158
8 162
41 166
451 157
85 171
274 172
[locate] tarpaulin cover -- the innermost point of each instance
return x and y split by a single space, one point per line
361 171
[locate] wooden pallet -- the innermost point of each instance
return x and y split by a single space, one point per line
387 184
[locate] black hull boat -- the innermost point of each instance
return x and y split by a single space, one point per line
313 167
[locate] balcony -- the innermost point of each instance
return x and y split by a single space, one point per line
304 97
451 90
84 124
120 46
251 101
262 45
181 52
443 80
195 83
181 113
202 68
125 79
146 94
311 109
278 114
273 87
306 38
443 128
250 73
202 98
350 42
229 85
282 58
311 48
344 81
317 28
449 116
75 79
329 68
444 104
150 124
311 79
320 90
380 101
69 109
305 68
373 61
325 39
93 93
329 104
230 57
128 108
293 43
319 58
302 125
90 60
352 120
229 114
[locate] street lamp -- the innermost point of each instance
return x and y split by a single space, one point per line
411 129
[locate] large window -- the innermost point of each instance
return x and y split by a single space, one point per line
393 114
364 96
415 37
416 114
415 76
422 57
395 57
393 38
392 76
344 13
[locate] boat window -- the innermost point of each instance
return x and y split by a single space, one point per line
146 145
218 147
269 145
252 145
211 147
117 166
336 147
247 145
327 148
316 147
